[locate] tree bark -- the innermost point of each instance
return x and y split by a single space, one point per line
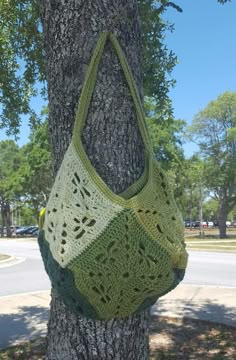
71 30
6 219
3 220
223 212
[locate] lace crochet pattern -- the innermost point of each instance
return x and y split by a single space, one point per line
110 255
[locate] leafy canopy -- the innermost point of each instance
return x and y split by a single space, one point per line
22 58
214 129
21 61
25 173
10 160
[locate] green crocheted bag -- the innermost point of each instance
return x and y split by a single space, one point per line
110 255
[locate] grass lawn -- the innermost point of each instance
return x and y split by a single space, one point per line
212 245
170 339
211 248
210 233
210 241
184 339
32 350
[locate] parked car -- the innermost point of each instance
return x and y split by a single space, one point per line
188 223
205 224
192 224
31 230
27 230
228 223
21 230
196 224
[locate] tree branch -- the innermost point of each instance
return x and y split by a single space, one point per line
169 4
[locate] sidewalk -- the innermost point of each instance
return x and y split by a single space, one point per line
211 303
24 316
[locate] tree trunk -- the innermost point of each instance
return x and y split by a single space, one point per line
201 233
222 219
3 220
6 219
71 30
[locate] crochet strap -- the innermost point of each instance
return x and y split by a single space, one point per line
89 84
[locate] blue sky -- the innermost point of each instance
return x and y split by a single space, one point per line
204 41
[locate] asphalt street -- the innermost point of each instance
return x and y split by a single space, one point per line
211 269
27 273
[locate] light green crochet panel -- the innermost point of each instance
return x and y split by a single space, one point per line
76 211
110 255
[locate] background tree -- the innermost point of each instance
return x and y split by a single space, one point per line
10 183
36 168
233 214
210 209
21 63
167 138
25 176
157 61
214 128
194 190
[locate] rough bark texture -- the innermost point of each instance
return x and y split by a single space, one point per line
72 337
223 212
6 219
3 220
111 139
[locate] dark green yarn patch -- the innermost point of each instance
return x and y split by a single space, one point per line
62 281
123 270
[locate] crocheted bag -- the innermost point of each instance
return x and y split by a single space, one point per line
110 255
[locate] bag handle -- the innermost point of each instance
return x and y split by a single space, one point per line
89 84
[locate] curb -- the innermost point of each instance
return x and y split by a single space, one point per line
33 293
13 260
7 260
223 250
15 238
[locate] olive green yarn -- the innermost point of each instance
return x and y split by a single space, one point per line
81 115
121 269
110 255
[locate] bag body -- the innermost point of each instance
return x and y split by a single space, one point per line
110 255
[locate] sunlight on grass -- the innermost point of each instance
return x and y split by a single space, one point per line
174 339
32 350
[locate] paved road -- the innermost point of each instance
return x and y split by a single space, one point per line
27 272
209 268
205 268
